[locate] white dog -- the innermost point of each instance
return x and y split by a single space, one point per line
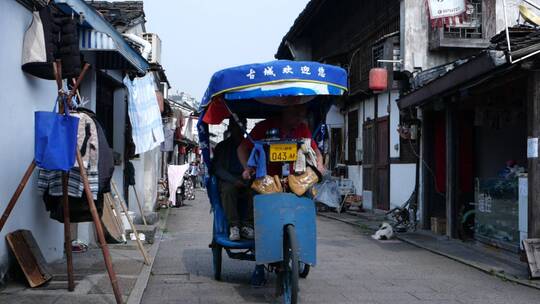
385 232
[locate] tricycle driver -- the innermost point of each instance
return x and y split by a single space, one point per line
232 188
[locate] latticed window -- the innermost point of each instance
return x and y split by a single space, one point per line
471 27
377 54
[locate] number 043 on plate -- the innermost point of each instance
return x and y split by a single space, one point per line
283 152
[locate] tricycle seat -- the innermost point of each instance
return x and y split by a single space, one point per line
223 240
221 227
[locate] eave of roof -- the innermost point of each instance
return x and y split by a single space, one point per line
121 14
158 68
309 12
467 72
33 4
95 20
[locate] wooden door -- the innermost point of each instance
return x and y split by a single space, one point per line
368 158
352 136
376 162
336 147
382 164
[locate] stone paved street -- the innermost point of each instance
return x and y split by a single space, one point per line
352 268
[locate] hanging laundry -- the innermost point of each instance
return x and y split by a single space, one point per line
105 160
68 47
79 210
51 182
130 173
144 114
176 178
51 35
87 141
99 166
40 45
168 144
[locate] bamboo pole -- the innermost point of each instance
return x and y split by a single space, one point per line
17 194
137 239
99 230
67 232
65 200
108 199
78 82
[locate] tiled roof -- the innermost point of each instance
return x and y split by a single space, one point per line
520 37
121 14
523 40
424 77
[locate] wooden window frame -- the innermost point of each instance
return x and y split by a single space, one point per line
437 39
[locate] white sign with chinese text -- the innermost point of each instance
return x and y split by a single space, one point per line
446 8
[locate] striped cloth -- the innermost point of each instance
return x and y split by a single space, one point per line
51 182
144 114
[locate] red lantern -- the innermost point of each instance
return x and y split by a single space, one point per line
378 79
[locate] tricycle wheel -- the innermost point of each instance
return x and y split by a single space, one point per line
304 270
217 258
290 266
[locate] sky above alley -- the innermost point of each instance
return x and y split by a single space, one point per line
200 37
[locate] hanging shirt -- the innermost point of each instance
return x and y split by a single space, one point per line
87 141
168 144
144 114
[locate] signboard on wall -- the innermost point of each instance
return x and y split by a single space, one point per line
446 11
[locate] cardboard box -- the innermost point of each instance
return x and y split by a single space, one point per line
438 225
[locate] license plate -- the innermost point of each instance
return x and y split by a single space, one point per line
283 152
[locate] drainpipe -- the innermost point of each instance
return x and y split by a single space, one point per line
147 47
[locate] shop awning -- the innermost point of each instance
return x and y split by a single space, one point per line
99 36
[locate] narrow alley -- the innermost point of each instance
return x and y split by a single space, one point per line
271 151
352 268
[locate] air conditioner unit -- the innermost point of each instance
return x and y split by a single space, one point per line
155 41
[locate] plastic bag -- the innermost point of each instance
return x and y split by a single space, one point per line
299 184
267 185
55 143
327 192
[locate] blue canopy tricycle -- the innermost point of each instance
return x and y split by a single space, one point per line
285 224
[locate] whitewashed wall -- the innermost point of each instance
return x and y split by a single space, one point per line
512 12
394 122
20 95
402 177
334 119
152 161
